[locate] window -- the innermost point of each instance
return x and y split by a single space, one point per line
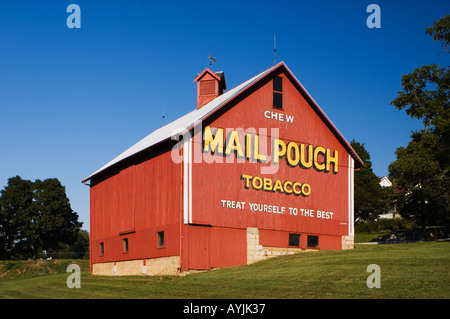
161 242
278 84
277 100
102 249
125 245
294 239
313 241
278 92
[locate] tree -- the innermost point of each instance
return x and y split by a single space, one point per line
424 195
35 216
15 203
370 198
421 169
52 215
79 249
440 31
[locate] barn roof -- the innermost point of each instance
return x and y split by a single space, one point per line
188 121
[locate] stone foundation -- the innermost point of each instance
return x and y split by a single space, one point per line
257 252
348 242
153 267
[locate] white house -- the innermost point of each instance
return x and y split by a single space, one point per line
391 213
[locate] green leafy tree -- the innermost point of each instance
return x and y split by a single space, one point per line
370 198
15 203
79 249
423 183
440 31
53 217
35 216
421 169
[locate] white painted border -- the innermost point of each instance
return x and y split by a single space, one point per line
190 179
351 213
187 181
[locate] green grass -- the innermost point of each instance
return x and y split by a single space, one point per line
415 270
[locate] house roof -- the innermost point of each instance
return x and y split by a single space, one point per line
188 121
384 181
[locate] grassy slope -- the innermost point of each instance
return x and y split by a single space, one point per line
419 270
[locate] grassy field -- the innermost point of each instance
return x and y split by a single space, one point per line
414 270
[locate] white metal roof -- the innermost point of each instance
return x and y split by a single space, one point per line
181 124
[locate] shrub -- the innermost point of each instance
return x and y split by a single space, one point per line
374 226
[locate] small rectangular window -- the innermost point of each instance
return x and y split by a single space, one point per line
313 241
161 242
277 100
125 245
294 239
278 92
278 84
102 249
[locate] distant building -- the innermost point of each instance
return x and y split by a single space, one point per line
391 213
385 182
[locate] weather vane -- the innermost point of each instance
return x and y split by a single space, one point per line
211 59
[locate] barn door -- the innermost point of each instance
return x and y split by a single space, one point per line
199 247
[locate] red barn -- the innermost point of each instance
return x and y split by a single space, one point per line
254 172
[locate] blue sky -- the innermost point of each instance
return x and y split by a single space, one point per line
73 99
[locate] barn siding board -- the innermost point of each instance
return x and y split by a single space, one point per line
127 196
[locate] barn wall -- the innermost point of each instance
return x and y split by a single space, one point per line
136 201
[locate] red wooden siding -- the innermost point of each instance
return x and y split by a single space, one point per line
136 202
127 184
